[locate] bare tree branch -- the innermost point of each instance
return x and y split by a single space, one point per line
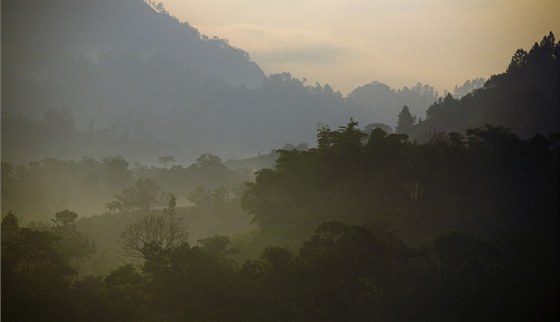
165 230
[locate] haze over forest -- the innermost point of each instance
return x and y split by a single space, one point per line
153 173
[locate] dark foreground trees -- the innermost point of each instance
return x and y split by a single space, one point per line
35 275
161 230
341 273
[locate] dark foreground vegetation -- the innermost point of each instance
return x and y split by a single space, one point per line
458 229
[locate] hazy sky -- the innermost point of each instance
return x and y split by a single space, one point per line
348 43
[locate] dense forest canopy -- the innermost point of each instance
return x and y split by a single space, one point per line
118 206
485 183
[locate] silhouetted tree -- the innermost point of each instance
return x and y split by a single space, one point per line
153 233
71 243
405 121
35 275
518 60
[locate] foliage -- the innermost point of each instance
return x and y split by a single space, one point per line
35 275
405 121
383 177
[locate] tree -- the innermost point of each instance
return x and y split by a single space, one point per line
117 171
468 86
357 265
406 121
208 160
35 275
64 218
518 60
370 127
217 245
142 196
10 226
71 243
160 232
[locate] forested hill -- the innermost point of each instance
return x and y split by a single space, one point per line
525 98
108 61
118 36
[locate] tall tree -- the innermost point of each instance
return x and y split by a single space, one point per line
405 121
154 233
35 275
71 243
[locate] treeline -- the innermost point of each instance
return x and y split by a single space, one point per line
86 185
55 135
488 182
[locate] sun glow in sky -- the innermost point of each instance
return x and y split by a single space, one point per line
348 43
